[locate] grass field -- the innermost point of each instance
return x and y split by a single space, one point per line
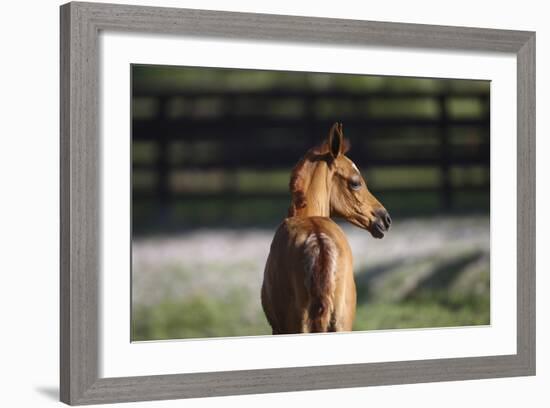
427 272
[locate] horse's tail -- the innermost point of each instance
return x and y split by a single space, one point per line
320 274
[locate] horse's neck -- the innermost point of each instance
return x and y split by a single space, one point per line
317 193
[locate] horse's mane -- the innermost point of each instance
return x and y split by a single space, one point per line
297 185
300 172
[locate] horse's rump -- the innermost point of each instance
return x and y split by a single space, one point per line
320 263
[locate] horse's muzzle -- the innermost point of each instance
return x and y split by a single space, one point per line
381 224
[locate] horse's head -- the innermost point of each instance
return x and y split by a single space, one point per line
349 195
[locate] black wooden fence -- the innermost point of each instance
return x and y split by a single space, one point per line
257 131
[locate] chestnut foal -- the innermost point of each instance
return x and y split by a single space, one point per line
308 281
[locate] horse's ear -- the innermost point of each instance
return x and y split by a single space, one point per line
336 144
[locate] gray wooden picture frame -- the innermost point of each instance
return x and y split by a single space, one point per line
81 24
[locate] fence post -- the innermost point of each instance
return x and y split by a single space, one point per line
162 166
445 156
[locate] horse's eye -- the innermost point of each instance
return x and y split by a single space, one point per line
355 184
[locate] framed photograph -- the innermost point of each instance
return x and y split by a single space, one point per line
261 203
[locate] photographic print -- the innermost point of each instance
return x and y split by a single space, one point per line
317 191
274 202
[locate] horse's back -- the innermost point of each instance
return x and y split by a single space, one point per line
289 245
308 261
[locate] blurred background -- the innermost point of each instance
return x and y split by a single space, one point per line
212 151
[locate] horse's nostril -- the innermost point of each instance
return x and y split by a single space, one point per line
384 218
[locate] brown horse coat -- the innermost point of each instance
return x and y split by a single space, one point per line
308 279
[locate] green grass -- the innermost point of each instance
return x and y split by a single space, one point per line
423 313
202 317
450 290
185 78
199 316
